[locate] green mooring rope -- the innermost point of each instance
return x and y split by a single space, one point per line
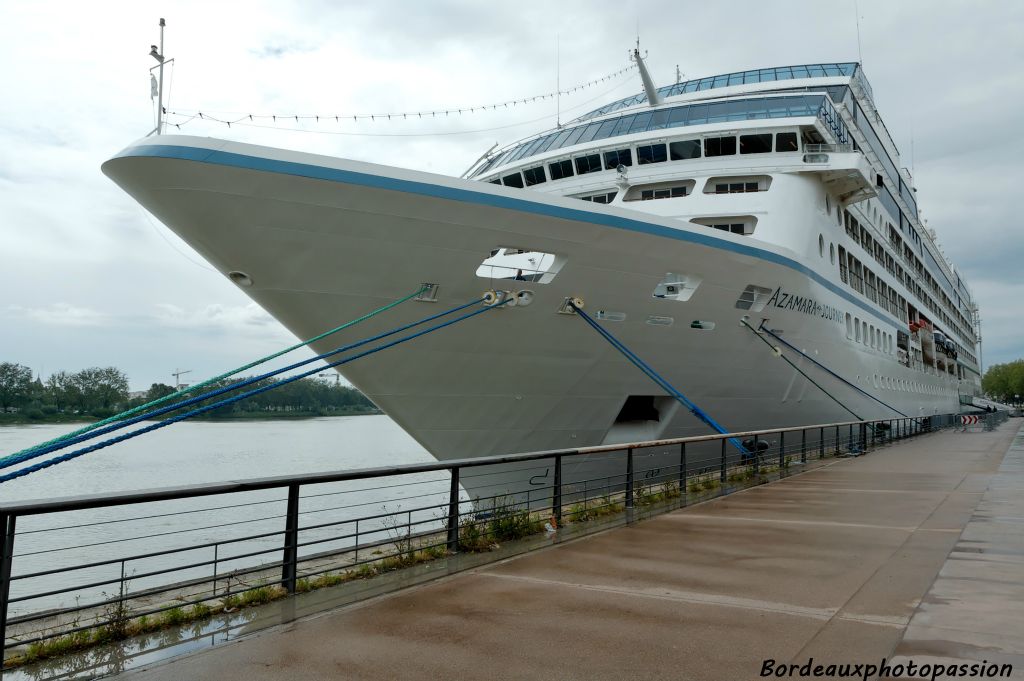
179 393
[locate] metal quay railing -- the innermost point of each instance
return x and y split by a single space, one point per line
104 561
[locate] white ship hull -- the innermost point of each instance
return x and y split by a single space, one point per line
325 240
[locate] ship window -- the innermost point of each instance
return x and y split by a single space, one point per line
756 144
590 163
560 169
496 181
737 185
674 192
719 146
821 246
514 180
604 197
684 150
701 325
647 192
743 224
786 141
534 175
613 159
849 326
856 326
654 153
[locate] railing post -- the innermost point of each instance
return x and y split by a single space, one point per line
629 484
556 496
757 456
7 523
782 453
290 559
821 443
837 440
803 446
849 441
721 474
453 512
682 471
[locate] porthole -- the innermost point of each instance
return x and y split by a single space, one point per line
821 246
832 253
240 278
828 205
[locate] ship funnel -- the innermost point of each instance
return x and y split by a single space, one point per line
652 93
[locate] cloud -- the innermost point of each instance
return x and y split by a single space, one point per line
213 317
61 314
77 254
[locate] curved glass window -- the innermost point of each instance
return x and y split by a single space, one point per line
731 79
685 115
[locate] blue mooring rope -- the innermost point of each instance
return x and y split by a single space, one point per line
202 410
198 386
15 459
654 376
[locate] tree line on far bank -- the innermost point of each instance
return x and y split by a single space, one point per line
103 391
1005 382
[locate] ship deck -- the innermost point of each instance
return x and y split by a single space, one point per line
913 552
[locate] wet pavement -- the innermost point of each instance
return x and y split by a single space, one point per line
914 551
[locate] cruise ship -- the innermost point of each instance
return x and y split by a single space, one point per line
693 222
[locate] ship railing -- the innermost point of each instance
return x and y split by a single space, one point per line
102 567
828 148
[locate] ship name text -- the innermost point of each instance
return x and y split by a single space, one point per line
788 301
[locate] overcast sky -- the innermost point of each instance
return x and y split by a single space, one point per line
87 278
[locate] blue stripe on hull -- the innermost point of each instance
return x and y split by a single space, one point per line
243 161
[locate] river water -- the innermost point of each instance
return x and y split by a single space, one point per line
194 453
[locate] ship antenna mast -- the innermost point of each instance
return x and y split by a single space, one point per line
158 54
652 92
558 80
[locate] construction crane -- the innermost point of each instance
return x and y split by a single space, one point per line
178 373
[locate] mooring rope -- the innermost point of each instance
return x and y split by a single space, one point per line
657 378
798 369
231 400
827 370
15 459
8 460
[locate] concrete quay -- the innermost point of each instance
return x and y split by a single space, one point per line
914 552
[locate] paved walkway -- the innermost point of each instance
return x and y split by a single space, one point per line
916 550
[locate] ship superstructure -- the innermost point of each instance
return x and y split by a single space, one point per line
689 219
